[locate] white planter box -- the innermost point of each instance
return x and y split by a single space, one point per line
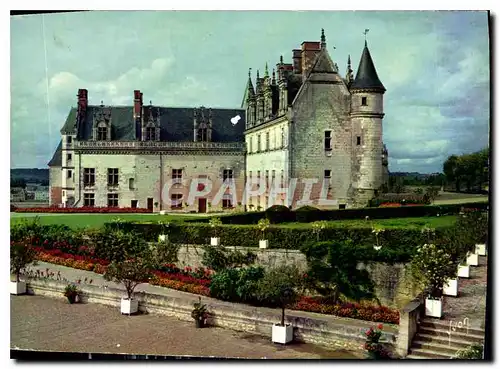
129 306
481 249
463 271
377 248
263 244
17 288
473 259
162 238
451 288
215 241
434 308
281 334
163 212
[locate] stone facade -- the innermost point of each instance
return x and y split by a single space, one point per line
304 136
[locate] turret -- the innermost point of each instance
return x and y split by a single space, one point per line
367 112
250 113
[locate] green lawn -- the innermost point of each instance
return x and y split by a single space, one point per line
94 220
433 222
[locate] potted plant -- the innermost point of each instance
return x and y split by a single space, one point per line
72 293
433 267
263 226
450 287
21 255
472 259
278 288
130 273
215 223
199 313
377 230
463 271
317 227
373 346
164 231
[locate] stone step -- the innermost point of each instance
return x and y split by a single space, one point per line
418 357
441 340
445 324
428 353
440 348
472 338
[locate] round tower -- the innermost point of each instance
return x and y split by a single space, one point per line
367 112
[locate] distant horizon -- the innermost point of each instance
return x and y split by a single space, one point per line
435 66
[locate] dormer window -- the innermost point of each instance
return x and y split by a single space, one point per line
150 134
363 101
102 132
202 135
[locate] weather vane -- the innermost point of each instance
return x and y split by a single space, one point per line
364 33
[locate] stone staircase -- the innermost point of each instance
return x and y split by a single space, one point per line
434 341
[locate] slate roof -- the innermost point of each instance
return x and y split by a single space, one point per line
366 77
56 160
176 123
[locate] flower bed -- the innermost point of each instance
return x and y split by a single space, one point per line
198 282
105 210
382 314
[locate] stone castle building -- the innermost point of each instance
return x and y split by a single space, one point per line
303 121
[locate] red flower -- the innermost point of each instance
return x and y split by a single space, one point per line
380 326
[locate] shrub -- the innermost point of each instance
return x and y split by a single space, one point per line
224 285
118 245
332 270
165 252
279 214
22 254
432 266
263 226
130 273
219 258
472 352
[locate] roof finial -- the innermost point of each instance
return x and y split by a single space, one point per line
281 59
266 72
273 81
102 103
257 75
249 73
323 38
366 31
150 103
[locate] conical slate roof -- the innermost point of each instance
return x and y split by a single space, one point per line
366 77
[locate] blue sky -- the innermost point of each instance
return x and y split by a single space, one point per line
434 65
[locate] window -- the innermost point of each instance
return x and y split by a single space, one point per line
70 173
227 202
112 200
328 173
363 101
273 174
227 174
102 133
89 176
358 140
176 201
131 184
282 136
150 134
177 175
267 176
267 141
68 140
68 157
258 143
202 135
258 174
88 199
328 140
133 204
112 176
64 193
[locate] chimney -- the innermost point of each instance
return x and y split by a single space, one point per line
82 98
297 61
309 51
137 103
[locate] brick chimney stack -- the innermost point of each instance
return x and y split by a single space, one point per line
81 109
309 51
82 98
137 104
297 61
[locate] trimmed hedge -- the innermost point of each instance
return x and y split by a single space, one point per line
395 241
311 214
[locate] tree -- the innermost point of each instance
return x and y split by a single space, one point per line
279 287
130 273
21 255
450 169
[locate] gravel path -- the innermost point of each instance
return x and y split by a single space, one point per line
43 323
